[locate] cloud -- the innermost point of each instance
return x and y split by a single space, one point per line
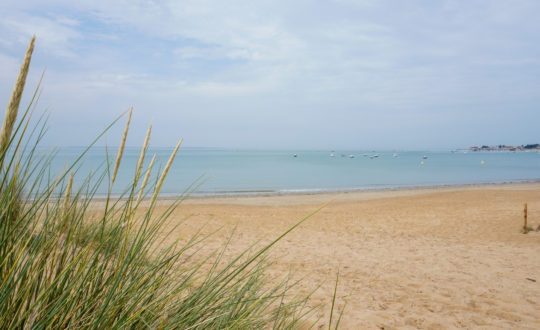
292 61
55 33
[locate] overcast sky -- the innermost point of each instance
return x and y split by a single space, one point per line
283 74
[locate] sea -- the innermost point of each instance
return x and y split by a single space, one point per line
211 172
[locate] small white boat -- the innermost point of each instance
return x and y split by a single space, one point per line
332 155
295 155
394 155
351 156
425 157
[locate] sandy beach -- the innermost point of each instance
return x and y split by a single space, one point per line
432 258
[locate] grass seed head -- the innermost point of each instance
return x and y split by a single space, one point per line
121 147
143 154
15 100
146 178
166 170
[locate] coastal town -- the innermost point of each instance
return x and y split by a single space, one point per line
502 147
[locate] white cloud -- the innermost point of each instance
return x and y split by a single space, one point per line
54 34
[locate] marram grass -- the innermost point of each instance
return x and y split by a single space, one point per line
63 265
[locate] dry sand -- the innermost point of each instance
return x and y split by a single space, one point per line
424 258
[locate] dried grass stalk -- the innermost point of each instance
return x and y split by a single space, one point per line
165 171
146 178
141 157
67 198
13 105
121 147
67 195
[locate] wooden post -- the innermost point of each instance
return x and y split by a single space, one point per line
525 219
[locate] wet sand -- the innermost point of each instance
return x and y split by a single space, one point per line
432 258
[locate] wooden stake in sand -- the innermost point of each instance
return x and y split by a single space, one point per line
525 219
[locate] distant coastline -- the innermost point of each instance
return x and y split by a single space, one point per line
502 147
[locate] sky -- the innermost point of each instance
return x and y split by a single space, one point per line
342 74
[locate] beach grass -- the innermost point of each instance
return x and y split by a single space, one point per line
65 265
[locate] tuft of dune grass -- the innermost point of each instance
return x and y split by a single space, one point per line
65 265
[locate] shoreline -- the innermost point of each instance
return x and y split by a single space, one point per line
332 192
323 196
322 191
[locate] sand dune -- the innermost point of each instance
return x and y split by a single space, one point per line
424 258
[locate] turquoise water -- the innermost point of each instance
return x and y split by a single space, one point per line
278 171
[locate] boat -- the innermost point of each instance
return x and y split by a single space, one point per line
394 155
295 155
425 157
332 155
351 156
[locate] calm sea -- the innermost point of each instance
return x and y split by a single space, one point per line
227 171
